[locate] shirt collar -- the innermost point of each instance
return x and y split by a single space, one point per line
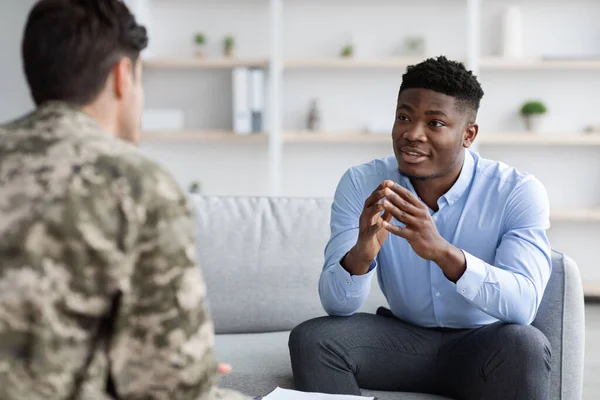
464 179
460 186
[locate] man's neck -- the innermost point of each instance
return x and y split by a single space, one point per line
430 190
103 115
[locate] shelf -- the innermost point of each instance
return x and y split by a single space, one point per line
487 63
373 138
342 137
499 63
575 214
574 139
351 63
591 289
490 63
203 63
550 139
203 136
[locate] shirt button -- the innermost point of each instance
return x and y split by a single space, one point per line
435 218
485 308
437 294
463 290
347 282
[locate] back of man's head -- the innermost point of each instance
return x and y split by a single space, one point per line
70 47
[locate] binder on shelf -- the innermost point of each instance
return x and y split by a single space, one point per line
257 98
242 118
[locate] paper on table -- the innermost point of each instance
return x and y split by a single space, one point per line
286 394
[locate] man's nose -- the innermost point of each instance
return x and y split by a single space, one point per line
415 133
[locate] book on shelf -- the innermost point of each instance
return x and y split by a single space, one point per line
248 100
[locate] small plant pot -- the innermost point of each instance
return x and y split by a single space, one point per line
199 53
228 52
534 122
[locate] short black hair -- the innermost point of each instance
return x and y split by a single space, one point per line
445 76
70 46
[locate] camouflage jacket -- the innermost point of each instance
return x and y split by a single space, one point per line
100 294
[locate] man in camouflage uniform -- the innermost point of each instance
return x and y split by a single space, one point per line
100 294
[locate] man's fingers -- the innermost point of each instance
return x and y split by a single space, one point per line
372 213
396 230
399 214
378 193
374 198
406 195
401 203
387 216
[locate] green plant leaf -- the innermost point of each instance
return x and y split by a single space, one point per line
533 107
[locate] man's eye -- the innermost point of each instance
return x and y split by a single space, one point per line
402 118
437 124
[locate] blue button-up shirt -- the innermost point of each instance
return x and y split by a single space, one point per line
495 214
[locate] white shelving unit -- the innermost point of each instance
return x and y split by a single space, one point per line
279 139
520 138
202 63
497 63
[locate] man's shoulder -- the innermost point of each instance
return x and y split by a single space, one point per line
373 172
504 179
61 142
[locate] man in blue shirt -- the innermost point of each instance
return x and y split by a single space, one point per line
459 247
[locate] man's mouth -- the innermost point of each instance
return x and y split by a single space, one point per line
413 156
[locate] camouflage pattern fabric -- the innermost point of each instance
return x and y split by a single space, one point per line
100 294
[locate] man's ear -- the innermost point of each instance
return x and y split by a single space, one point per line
470 134
122 74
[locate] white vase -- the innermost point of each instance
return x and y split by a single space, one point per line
534 122
512 27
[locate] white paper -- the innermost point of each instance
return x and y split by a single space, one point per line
286 394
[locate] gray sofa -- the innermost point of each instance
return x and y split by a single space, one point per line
261 258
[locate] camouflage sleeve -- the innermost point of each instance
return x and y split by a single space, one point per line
162 346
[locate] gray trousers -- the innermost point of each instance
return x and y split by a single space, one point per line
339 355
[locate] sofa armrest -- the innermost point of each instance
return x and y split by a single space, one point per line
561 319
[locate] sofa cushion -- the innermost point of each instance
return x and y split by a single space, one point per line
262 258
261 362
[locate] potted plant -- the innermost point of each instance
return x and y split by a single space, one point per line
199 42
195 187
228 45
414 46
347 51
533 114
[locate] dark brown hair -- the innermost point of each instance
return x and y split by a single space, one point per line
70 46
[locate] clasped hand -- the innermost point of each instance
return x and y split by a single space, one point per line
419 228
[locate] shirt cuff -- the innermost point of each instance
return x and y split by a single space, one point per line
472 280
353 284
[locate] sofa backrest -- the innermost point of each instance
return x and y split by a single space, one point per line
261 259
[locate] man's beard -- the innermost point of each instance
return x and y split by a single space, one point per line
428 177
434 175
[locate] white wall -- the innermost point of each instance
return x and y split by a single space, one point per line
14 96
356 99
